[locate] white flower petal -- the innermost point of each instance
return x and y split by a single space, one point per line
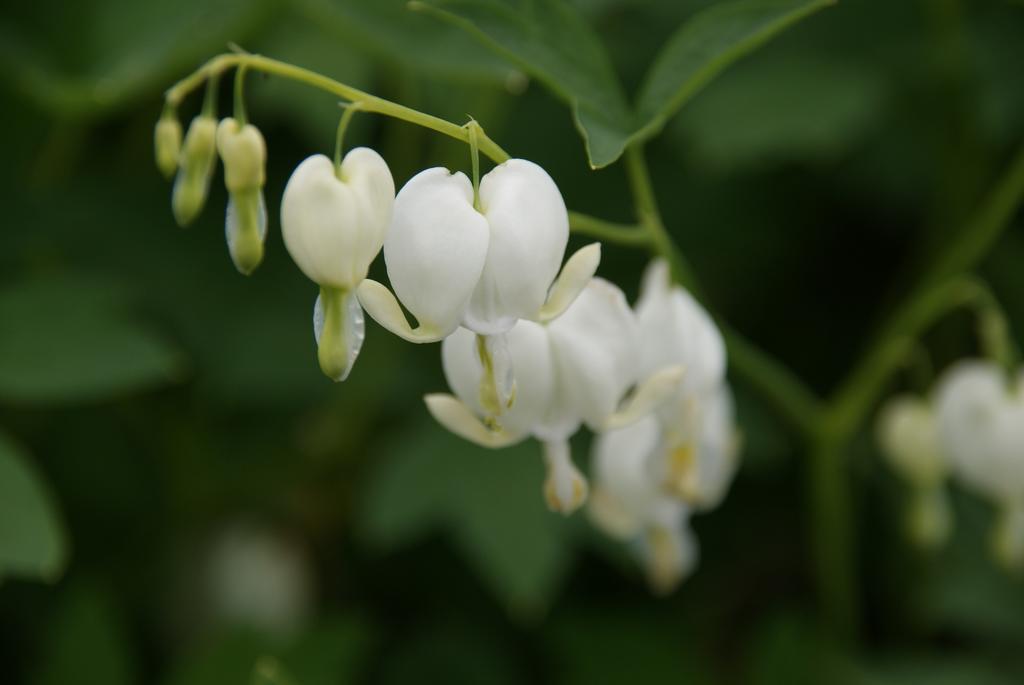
594 343
454 415
532 367
333 227
436 248
529 229
647 397
565 488
576 273
385 310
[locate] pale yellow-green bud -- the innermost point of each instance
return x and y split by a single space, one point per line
1008 537
167 143
198 156
244 155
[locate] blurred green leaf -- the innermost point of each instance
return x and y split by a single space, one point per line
551 41
964 588
32 539
616 646
451 652
708 43
87 57
87 641
387 30
269 671
782 109
328 654
67 340
488 502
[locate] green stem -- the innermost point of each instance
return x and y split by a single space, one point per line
632 235
240 114
369 103
473 129
339 139
210 98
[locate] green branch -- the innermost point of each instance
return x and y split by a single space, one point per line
367 102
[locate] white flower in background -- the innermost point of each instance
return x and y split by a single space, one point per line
259 579
334 223
700 444
630 503
574 370
482 267
908 434
244 154
195 169
981 423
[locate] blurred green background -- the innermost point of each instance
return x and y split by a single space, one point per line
222 501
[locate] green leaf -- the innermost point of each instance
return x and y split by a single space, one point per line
32 539
68 340
86 641
708 43
762 112
550 41
553 43
88 57
488 502
387 30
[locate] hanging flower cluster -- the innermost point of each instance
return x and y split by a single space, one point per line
530 347
651 475
972 428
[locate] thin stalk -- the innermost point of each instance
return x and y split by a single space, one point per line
369 103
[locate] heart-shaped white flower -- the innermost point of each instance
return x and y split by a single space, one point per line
334 222
908 435
631 504
484 267
574 370
981 425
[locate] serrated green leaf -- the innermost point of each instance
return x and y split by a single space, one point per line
488 502
708 43
33 543
68 341
553 43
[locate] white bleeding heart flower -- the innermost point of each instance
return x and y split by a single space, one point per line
700 442
908 435
244 154
483 267
574 370
981 425
334 222
631 503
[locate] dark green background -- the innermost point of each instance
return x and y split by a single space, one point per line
162 396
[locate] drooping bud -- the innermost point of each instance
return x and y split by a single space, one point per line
195 169
244 153
929 518
167 143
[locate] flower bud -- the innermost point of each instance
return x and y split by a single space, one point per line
1008 537
195 169
167 143
244 154
909 438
